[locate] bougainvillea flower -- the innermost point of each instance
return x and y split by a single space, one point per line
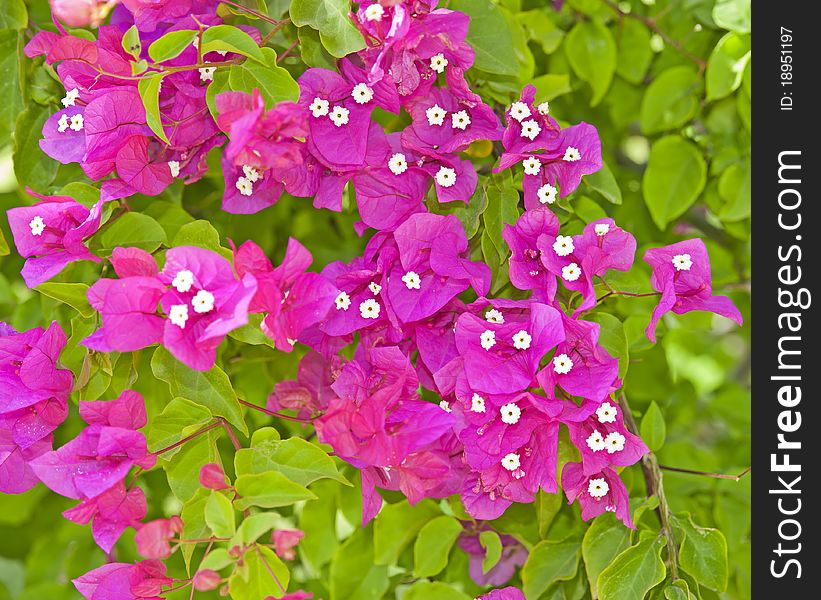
51 234
205 301
123 581
311 392
681 272
526 269
213 477
513 556
436 343
597 493
508 593
285 540
530 127
16 476
126 411
153 538
110 513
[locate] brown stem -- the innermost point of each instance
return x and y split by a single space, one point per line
706 474
272 413
617 293
287 51
231 435
274 30
256 13
188 438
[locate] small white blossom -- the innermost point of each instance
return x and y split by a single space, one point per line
207 73
291 341
510 413
174 167
595 442
563 245
544 108
436 115
319 107
602 229
183 281
494 316
562 364
438 62
178 315
682 262
37 226
398 164
511 461
374 12
460 120
519 111
488 339
598 487
62 123
244 185
342 301
203 302
375 288
445 405
446 177
412 280
547 194
70 97
612 507
339 115
571 154
251 173
370 309
606 413
614 442
477 404
530 129
532 165
76 122
571 272
521 341
222 52
362 93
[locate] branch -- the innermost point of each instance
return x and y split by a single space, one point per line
188 438
705 474
272 413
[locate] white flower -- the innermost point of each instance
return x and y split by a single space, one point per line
319 107
375 288
436 115
477 404
71 96
530 129
207 73
511 461
571 272
362 93
510 413
412 280
572 154
203 302
494 316
595 442
174 167
222 52
438 62
76 122
251 173
563 245
612 507
460 120
543 108
291 341
446 177
62 123
562 364
244 185
602 229
547 194
445 406
598 488
488 339
370 309
178 315
342 301
532 165
614 442
183 281
521 341
682 262
37 226
606 413
398 164
519 111
374 12
339 115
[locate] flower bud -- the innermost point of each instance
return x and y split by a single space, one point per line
206 580
213 477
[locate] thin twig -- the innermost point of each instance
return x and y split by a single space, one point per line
231 435
705 474
272 413
251 11
188 438
287 51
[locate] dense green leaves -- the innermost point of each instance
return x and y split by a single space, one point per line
703 554
675 176
671 100
73 294
489 36
262 575
355 575
273 82
653 428
633 572
547 563
269 490
726 65
605 539
219 515
133 229
330 18
591 51
432 546
397 526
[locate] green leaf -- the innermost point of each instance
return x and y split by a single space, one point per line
330 17
179 418
171 45
552 86
194 525
4 245
219 515
549 561
431 549
591 51
31 164
502 209
13 14
635 54
274 82
671 100
131 42
354 574
541 29
604 182
678 590
73 294
262 575
703 554
216 87
10 83
489 36
492 544
253 527
198 233
433 590
149 88
606 538
269 490
182 469
675 176
133 229
734 15
735 188
211 389
312 51
217 559
725 67
633 572
231 39
397 525
653 428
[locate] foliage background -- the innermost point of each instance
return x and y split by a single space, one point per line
667 84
